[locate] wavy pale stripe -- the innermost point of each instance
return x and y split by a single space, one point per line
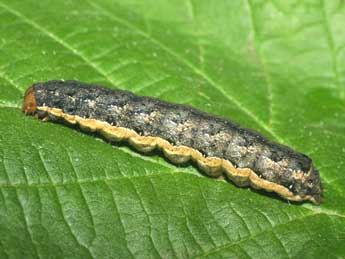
212 166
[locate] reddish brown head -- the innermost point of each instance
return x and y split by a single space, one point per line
29 105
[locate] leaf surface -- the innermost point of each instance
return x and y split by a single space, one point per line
274 66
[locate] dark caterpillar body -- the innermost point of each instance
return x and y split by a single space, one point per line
183 133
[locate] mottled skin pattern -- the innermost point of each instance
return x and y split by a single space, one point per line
183 125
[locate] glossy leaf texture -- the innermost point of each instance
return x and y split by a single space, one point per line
275 66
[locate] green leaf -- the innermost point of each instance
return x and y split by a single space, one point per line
274 66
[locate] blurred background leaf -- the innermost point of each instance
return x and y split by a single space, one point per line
275 66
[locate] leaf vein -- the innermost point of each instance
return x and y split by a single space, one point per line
212 215
261 60
83 198
331 45
223 247
25 221
148 219
120 218
75 238
59 40
191 66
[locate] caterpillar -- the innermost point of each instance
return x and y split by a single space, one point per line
217 145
